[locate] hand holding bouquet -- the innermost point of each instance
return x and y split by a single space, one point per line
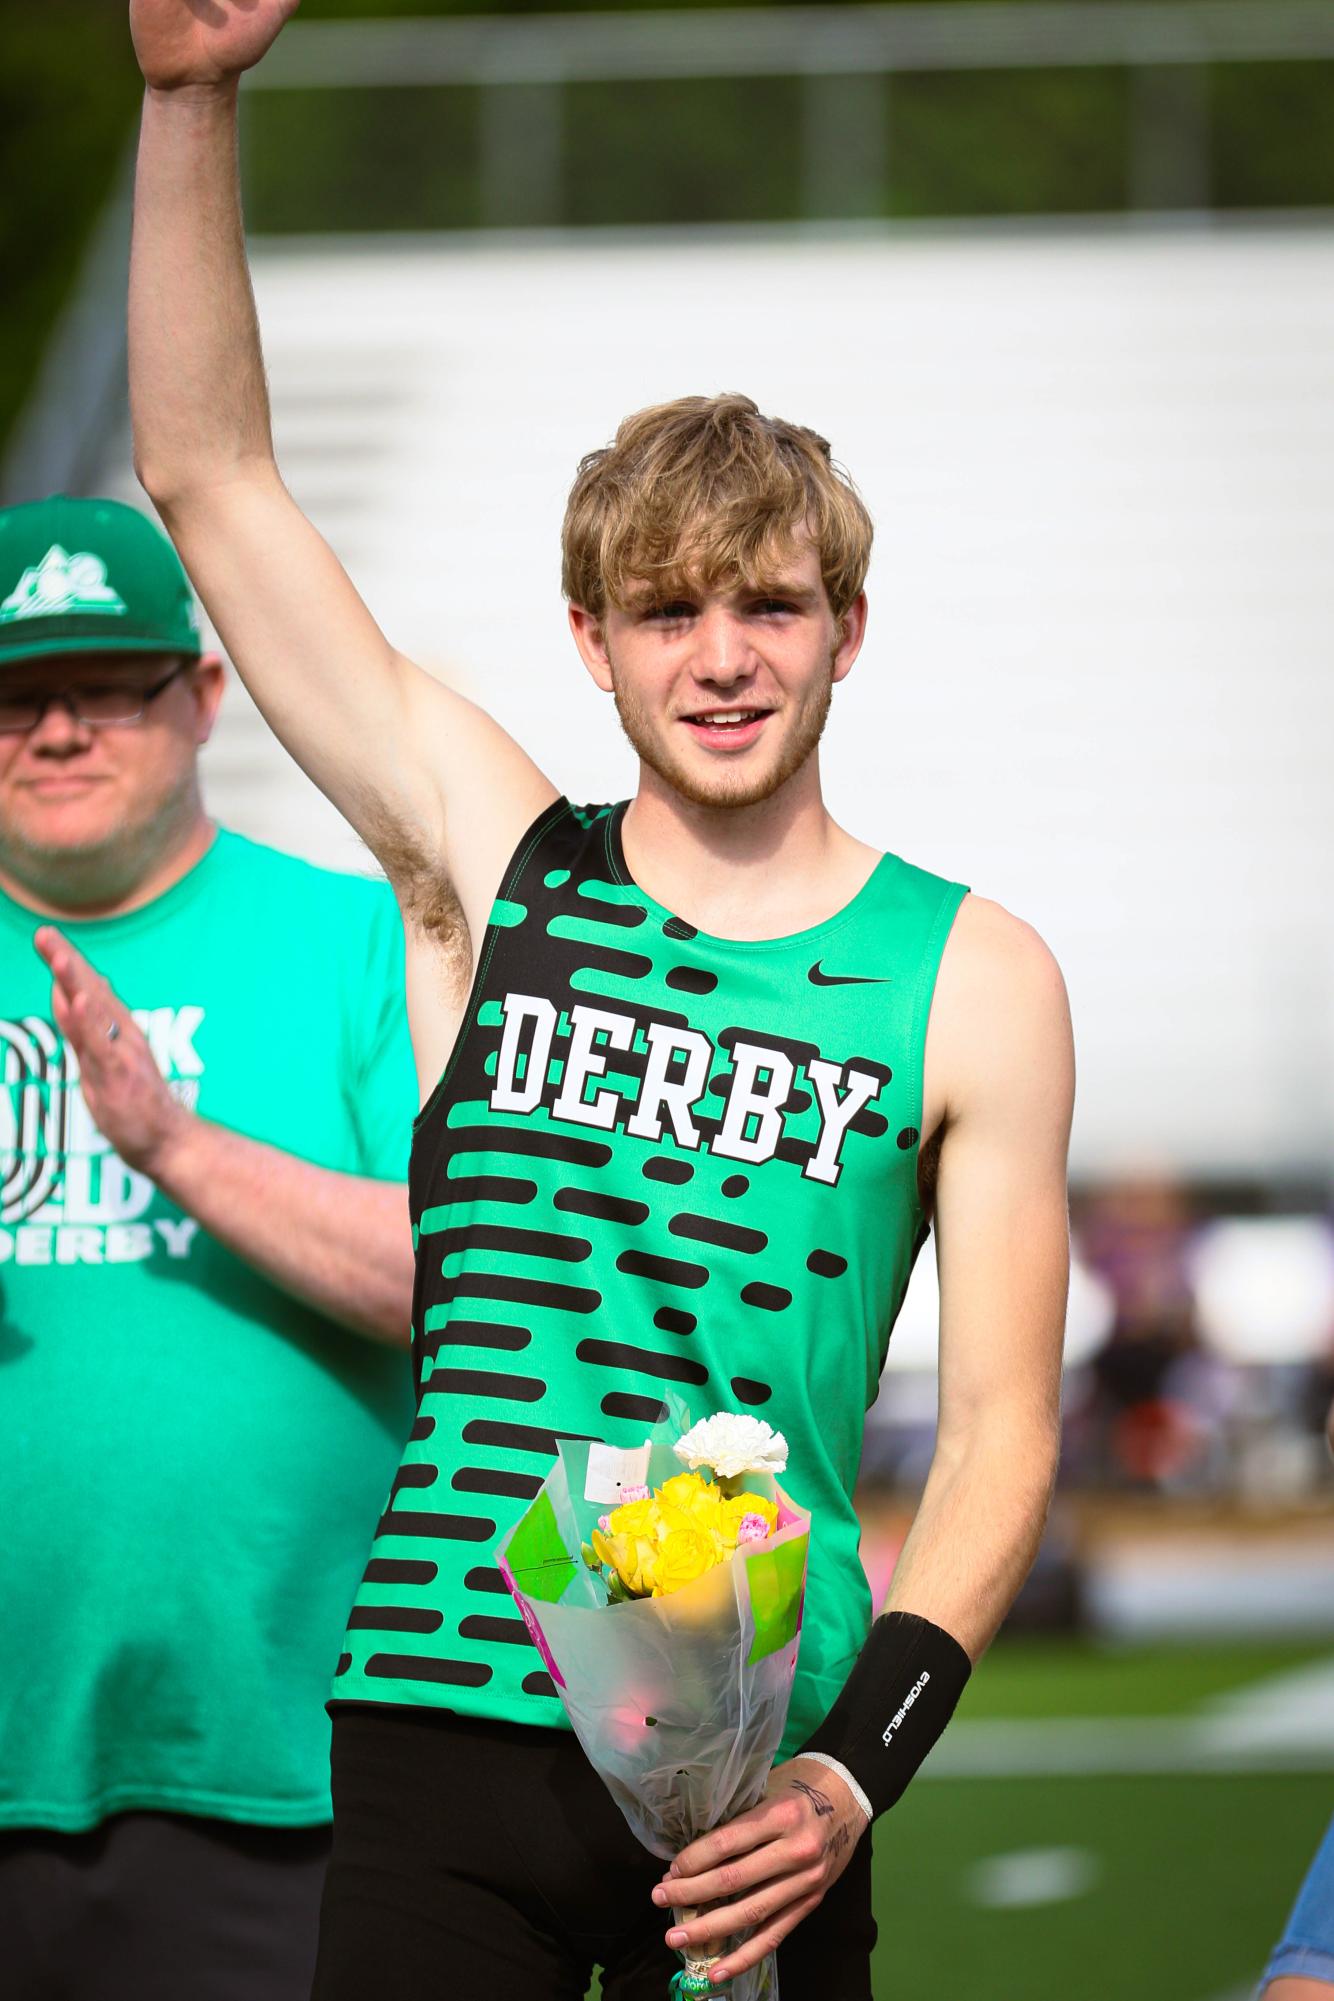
667 1607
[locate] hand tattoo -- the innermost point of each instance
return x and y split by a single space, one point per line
822 1803
839 1837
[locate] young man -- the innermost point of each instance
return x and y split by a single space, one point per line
203 1240
688 1127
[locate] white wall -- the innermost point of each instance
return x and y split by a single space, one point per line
1096 685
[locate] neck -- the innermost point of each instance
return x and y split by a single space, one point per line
106 882
744 872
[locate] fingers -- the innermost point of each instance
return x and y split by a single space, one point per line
751 1911
752 1888
67 963
765 1941
764 1823
732 1879
740 1854
86 1011
50 945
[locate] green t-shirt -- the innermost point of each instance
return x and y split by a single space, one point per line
191 1462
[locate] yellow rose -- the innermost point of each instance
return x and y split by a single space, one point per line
607 1548
735 1508
633 1558
757 1505
667 1520
692 1494
643 1580
683 1555
632 1518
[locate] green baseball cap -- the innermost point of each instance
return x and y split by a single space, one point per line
90 576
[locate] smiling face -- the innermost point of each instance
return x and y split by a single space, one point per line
724 691
85 812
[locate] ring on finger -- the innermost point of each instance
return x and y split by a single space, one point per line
113 1031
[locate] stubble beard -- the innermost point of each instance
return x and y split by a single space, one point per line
730 786
107 863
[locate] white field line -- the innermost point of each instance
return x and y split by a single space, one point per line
1282 1724
1135 1746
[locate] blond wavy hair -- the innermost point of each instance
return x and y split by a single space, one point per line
707 492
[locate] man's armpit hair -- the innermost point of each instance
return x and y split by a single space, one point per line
426 896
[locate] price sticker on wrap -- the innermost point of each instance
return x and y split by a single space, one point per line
615 1475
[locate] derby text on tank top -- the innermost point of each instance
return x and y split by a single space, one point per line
657 1158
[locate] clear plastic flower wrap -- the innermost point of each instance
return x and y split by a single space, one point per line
679 1701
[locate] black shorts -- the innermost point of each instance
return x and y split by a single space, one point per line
160 1907
473 1859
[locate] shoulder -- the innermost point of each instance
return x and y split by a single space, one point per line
996 955
1000 1006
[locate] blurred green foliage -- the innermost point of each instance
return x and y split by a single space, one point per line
704 151
1272 135
1027 142
305 158
68 92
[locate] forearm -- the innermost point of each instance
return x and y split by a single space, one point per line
339 1242
197 391
978 1526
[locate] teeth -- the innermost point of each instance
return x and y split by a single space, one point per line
727 716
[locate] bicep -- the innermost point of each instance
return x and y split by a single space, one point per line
1002 1030
405 759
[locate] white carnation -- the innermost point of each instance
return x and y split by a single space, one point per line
732 1444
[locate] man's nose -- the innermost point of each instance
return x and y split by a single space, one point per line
722 648
60 732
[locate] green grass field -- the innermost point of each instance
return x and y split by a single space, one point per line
1190 1881
1169 1885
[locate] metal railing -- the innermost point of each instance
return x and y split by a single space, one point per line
842 55
845 59
793 41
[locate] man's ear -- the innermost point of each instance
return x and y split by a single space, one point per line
591 638
208 678
851 632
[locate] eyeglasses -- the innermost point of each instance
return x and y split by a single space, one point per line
99 706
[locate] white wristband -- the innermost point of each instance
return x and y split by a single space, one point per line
823 1758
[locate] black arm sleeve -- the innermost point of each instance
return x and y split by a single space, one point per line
895 1703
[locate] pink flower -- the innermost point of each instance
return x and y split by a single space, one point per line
752 1528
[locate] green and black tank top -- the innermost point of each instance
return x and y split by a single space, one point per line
656 1158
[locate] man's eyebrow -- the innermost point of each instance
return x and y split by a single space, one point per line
100 667
647 596
777 587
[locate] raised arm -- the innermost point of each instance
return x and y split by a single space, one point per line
433 785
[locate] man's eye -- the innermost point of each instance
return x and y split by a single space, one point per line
768 605
678 608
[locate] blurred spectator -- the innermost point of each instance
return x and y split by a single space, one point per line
1150 1384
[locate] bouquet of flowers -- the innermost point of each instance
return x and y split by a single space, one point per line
666 1604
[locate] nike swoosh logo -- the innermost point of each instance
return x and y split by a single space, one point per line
819 979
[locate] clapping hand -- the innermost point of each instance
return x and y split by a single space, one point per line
127 1098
